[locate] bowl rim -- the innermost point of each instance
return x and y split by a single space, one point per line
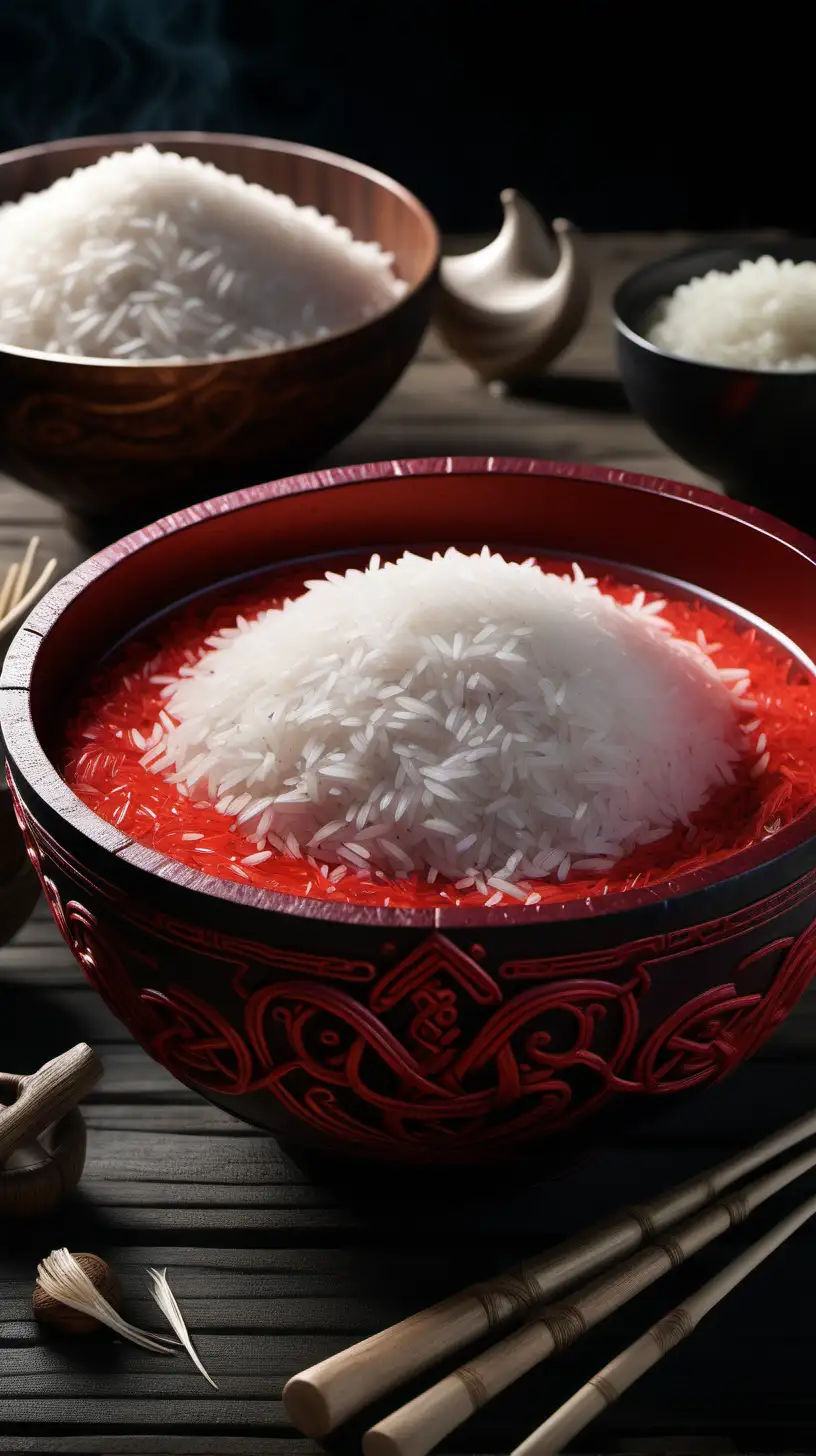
128 141
745 251
23 745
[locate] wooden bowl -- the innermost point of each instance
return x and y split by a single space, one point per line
318 1021
130 442
19 886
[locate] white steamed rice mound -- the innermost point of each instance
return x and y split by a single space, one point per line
761 316
148 255
460 716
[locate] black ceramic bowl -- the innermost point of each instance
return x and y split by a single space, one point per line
438 1036
753 430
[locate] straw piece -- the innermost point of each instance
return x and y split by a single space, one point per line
16 595
33 591
320 1398
422 1423
609 1384
7 589
25 571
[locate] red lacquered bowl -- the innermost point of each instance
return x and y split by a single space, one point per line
438 1035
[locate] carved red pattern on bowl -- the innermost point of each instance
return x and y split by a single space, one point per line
394 1069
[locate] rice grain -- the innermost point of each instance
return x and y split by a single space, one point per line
596 733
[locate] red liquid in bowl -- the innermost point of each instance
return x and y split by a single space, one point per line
102 758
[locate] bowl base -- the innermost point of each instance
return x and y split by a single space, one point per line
386 1188
354 1180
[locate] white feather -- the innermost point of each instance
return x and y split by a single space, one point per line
168 1304
61 1277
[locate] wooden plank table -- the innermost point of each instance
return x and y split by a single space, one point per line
274 1270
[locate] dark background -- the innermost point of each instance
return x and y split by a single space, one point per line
619 117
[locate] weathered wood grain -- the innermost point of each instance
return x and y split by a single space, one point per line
164 1445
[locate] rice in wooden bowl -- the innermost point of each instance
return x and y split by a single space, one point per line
183 313
468 967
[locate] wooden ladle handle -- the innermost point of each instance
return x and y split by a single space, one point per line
47 1095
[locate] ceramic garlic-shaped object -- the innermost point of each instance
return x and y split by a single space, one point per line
509 310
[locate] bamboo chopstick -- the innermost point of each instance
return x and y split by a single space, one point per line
422 1423
322 1397
15 593
7 589
34 591
24 572
610 1383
